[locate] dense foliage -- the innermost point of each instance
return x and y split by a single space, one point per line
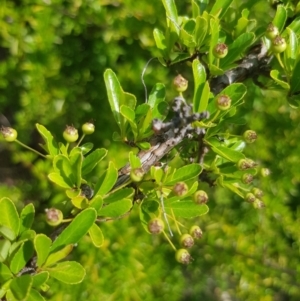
200 166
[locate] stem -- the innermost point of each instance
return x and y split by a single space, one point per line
176 223
82 137
31 149
279 60
215 117
168 239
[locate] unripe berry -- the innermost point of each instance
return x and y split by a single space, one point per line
220 50
186 240
272 31
9 134
247 178
244 164
200 197
278 44
54 216
137 174
88 128
265 172
257 192
180 83
156 226
183 256
250 197
180 189
196 232
258 204
70 134
223 102
249 136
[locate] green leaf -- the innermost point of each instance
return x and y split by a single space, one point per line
96 235
69 272
59 180
35 296
129 115
7 233
76 230
125 193
295 79
4 249
103 186
280 17
91 161
275 75
156 101
51 144
156 174
187 33
160 41
27 217
57 256
220 8
236 49
184 173
20 287
5 273
227 153
42 245
171 10
116 209
63 167
186 209
201 30
27 235
291 52
87 147
134 160
22 256
117 97
9 216
76 159
80 202
40 278
96 202
214 32
201 89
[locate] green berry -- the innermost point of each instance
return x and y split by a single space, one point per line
244 164
180 83
183 256
250 197
196 232
9 134
265 172
54 216
186 240
220 50
180 189
223 102
249 136
272 31
156 226
88 128
70 134
137 174
258 204
200 197
247 178
257 192
278 44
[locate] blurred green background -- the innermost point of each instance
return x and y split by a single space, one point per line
52 57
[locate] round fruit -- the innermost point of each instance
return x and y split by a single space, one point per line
156 226
196 232
249 136
183 256
272 31
265 172
54 216
244 164
223 102
88 128
186 240
278 44
9 134
200 197
257 192
70 134
137 174
247 178
180 83
220 50
250 197
180 189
